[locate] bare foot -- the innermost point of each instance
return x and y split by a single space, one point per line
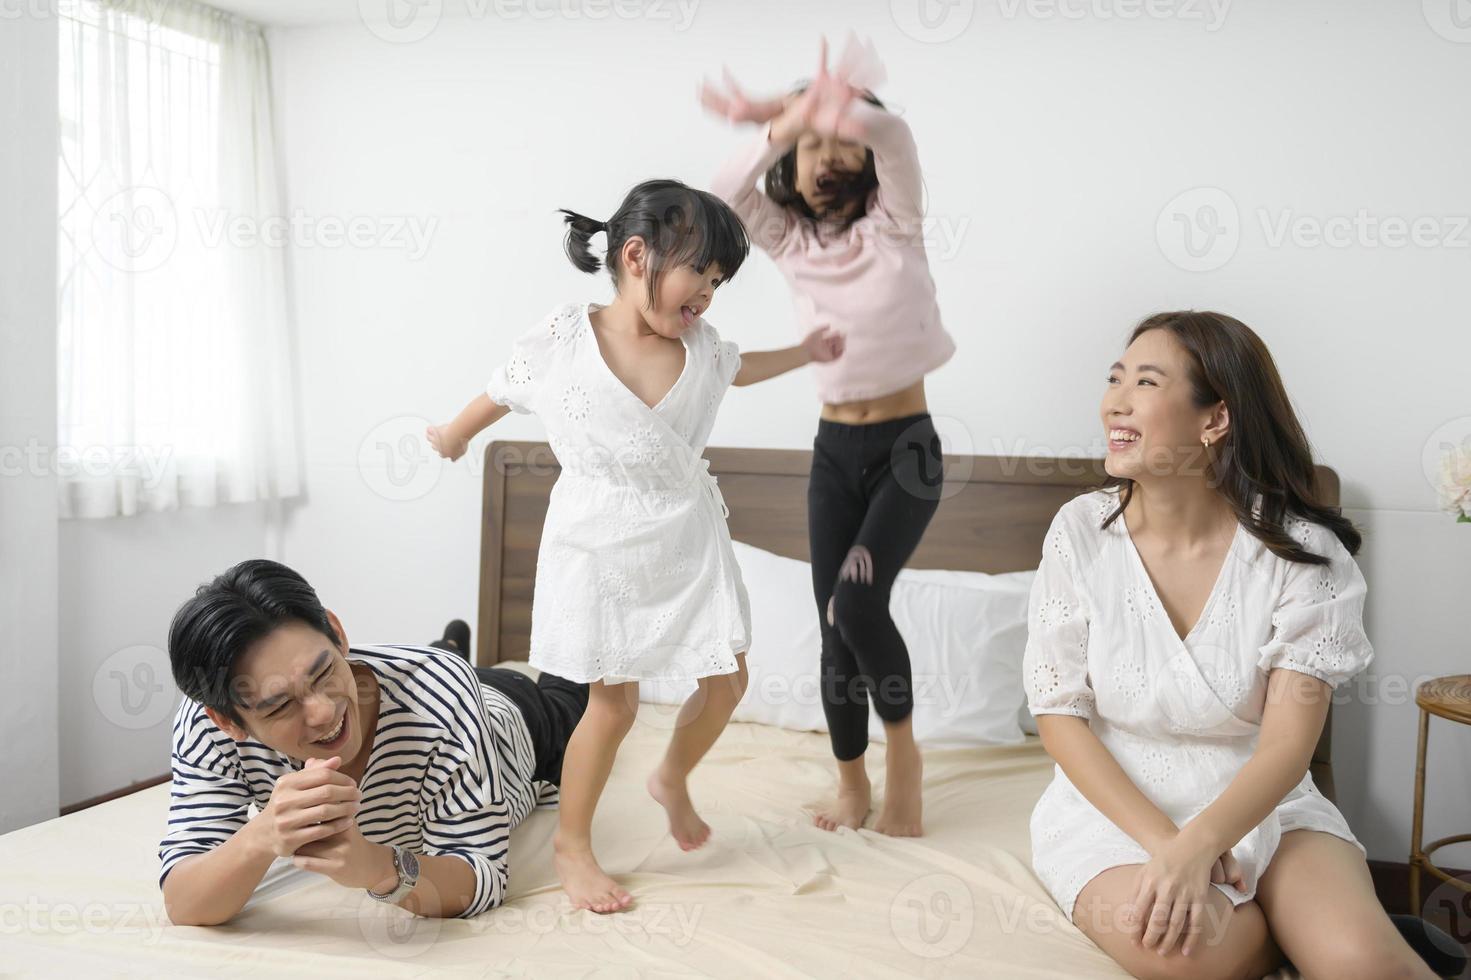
903 793
690 832
588 885
849 810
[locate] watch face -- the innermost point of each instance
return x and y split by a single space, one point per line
410 864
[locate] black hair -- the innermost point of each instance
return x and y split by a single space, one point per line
1265 455
679 225
781 178
238 608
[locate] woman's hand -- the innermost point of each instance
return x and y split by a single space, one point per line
824 344
1227 871
1171 895
447 442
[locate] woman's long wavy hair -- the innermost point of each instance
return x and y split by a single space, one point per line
1265 455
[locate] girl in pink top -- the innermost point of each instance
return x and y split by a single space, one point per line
841 217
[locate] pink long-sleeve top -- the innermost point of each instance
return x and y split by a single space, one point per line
871 281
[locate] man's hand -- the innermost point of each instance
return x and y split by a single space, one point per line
307 806
351 860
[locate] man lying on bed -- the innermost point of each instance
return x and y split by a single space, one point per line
396 769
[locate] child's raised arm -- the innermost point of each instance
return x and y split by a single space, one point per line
821 345
451 439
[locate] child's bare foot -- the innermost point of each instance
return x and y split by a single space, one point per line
690 832
588 885
903 791
849 810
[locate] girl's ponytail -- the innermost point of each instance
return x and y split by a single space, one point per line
580 230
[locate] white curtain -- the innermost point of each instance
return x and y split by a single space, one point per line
175 374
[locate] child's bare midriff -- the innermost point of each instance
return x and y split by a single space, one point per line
909 401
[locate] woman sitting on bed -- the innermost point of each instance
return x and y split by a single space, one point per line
1187 626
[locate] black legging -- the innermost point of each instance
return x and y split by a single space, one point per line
871 495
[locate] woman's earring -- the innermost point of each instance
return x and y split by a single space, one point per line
1206 440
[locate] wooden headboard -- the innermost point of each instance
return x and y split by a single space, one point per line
993 519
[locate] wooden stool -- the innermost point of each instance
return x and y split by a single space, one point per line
1449 697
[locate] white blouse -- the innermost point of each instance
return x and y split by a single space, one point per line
636 578
1181 717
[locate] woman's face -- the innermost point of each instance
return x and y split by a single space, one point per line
828 170
1150 419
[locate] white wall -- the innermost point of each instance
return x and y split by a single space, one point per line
1052 147
28 589
121 580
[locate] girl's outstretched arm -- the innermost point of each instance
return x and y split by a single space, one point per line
451 439
822 344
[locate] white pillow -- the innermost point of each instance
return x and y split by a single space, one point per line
965 632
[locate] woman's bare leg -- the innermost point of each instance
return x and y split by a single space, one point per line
1320 904
1232 943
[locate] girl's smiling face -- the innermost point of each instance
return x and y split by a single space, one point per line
1151 420
682 296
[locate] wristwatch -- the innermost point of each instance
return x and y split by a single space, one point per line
406 863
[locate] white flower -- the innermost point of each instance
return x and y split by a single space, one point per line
1455 482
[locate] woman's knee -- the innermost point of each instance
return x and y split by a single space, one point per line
1381 956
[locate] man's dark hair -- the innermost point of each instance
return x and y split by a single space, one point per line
238 608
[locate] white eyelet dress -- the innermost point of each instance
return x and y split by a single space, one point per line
635 578
1180 716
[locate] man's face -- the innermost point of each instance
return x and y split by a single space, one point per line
297 695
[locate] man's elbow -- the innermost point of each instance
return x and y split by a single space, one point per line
182 914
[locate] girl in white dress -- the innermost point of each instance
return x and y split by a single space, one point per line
636 578
1187 626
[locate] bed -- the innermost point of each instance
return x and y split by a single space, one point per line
769 896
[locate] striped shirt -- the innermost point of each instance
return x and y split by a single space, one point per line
450 771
